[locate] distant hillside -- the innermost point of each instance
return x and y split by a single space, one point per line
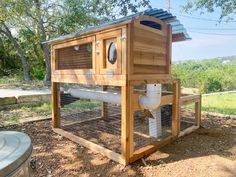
209 75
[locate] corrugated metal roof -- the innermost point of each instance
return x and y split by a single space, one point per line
178 29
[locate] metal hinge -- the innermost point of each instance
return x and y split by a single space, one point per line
123 38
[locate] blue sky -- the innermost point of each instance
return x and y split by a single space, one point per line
202 45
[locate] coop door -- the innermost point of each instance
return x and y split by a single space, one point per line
108 50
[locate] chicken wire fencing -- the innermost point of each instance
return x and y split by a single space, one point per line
100 122
152 127
187 116
95 121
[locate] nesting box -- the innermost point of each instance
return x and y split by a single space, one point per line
115 61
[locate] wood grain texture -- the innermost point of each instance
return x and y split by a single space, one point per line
55 105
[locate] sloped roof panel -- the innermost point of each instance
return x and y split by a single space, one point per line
177 28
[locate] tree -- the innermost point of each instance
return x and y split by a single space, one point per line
228 7
7 10
35 21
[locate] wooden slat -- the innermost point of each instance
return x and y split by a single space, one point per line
184 100
124 51
151 148
55 105
110 154
140 47
169 49
198 106
115 80
104 104
176 109
188 131
165 100
78 41
141 36
127 124
130 58
149 69
144 58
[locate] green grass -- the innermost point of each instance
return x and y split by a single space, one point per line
82 105
225 103
15 81
40 108
15 114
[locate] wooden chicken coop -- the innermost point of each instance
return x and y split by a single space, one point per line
112 88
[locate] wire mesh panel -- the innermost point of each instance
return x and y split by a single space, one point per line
95 121
187 116
75 57
153 126
149 129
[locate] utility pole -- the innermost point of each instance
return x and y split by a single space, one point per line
168 5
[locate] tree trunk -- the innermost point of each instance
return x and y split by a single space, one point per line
25 66
43 37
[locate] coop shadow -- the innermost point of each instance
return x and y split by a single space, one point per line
216 140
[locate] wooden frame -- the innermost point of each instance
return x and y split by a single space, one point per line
151 65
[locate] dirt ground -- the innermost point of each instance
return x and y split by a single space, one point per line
209 151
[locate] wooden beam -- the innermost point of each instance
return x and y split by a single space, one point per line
198 107
176 109
104 104
127 124
115 80
188 131
55 105
151 148
167 99
189 99
110 154
169 49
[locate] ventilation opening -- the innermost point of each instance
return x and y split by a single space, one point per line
75 57
151 24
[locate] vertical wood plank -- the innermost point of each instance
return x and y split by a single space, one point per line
198 107
124 51
130 48
126 124
104 104
55 105
169 49
176 109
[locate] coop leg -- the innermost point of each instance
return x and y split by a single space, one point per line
176 109
198 112
55 105
104 105
127 124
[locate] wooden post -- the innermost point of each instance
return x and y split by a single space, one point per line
127 124
198 107
176 109
104 105
55 105
169 49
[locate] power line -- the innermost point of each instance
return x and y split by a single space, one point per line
214 29
219 34
204 19
200 18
